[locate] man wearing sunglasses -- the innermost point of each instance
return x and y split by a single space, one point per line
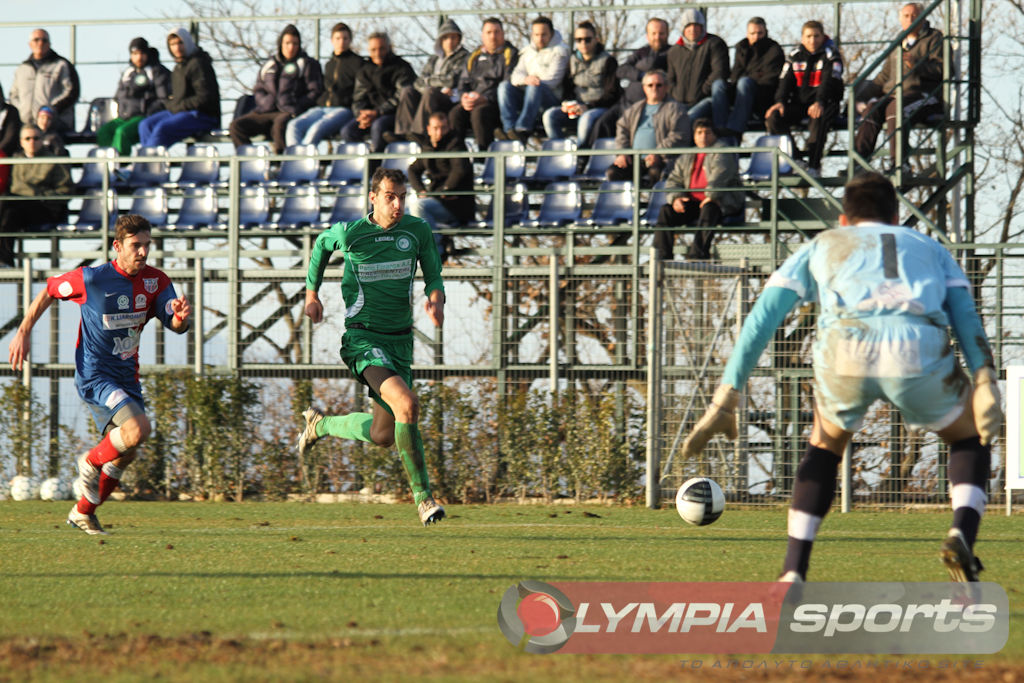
657 121
45 79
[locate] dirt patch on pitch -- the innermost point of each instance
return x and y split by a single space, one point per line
203 656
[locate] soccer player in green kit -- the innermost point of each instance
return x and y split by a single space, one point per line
381 252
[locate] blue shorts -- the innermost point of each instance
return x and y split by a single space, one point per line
105 398
912 366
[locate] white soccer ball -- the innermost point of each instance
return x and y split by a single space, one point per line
54 488
700 501
24 488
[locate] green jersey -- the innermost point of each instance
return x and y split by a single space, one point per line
380 266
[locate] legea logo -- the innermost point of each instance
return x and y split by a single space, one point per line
536 617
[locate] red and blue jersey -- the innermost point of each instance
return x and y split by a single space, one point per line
115 307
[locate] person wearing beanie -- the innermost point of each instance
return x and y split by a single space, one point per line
435 89
142 90
193 107
51 142
289 83
698 69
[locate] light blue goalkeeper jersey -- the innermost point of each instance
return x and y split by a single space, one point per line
872 270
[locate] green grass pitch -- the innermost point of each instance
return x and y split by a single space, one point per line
290 591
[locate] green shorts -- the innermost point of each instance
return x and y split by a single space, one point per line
362 348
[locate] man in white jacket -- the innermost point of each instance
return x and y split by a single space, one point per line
536 82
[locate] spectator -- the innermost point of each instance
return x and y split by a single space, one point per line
10 127
289 83
448 175
376 94
45 78
755 73
489 65
334 108
590 83
536 81
435 89
698 66
921 52
52 141
712 179
144 87
653 55
194 104
811 85
33 180
655 122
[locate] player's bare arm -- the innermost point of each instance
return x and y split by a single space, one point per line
434 306
19 347
314 307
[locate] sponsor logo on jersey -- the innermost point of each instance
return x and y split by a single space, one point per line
123 302
141 301
390 270
150 283
385 238
126 347
120 321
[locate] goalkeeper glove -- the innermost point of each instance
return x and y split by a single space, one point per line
720 418
988 414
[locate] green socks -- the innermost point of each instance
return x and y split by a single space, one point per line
351 426
410 449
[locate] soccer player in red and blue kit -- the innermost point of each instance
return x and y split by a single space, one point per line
117 299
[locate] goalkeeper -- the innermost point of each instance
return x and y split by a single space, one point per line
886 296
381 252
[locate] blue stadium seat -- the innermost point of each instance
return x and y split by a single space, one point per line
253 171
657 199
201 168
409 149
598 164
101 110
348 171
760 167
151 168
562 205
198 210
614 203
350 205
93 171
301 171
516 208
300 208
253 207
90 215
515 165
151 204
558 167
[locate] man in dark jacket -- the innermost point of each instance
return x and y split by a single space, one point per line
590 87
194 105
33 180
921 53
755 73
488 65
434 90
376 94
811 85
449 175
653 55
698 66
45 79
288 84
144 87
334 108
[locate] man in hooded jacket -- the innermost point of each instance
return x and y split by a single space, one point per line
435 88
194 105
288 84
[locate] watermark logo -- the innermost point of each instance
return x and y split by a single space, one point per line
536 617
777 618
